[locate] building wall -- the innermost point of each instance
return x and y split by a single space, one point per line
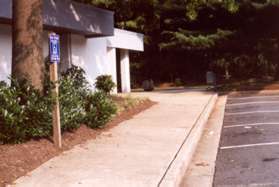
5 52
94 57
45 44
111 54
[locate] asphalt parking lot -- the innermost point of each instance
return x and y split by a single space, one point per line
249 147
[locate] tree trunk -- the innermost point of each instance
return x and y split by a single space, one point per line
27 62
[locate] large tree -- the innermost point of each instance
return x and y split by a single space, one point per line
27 60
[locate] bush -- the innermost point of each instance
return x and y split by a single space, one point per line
104 83
24 113
73 90
99 109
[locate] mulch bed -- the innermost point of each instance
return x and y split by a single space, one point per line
18 160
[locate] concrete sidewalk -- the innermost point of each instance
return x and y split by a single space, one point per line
138 152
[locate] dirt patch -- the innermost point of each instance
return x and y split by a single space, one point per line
18 160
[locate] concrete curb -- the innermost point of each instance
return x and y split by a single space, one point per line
207 150
184 156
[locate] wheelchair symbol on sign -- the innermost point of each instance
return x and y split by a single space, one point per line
54 52
54 48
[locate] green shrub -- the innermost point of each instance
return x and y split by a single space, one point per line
99 109
104 83
72 94
24 113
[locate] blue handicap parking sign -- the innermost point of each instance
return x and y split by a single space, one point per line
54 48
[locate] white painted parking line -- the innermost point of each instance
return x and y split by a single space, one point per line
251 112
250 125
254 97
255 185
252 103
249 145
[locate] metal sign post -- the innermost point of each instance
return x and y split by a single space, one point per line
54 54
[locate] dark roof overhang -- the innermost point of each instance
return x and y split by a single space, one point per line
5 11
70 17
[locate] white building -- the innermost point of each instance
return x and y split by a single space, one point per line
98 56
88 40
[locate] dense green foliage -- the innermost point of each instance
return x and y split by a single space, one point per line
105 84
73 91
184 39
99 109
25 112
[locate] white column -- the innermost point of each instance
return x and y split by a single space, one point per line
111 52
125 71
